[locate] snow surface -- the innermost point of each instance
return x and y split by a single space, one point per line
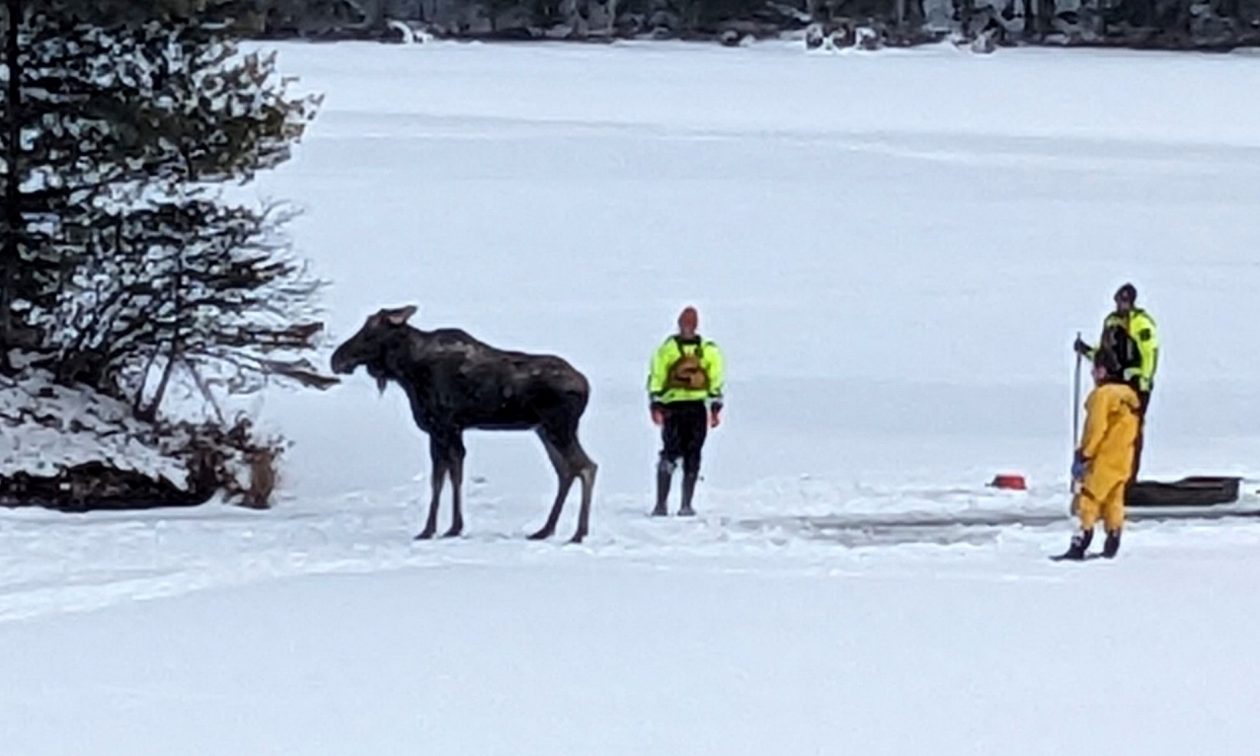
895 251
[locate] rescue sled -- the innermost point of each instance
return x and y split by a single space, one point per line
1197 491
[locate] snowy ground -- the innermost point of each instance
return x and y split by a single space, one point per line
895 251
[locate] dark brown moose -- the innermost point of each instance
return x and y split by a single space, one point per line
455 382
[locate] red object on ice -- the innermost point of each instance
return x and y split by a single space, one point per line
1011 482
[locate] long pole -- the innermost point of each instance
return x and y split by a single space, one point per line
1076 412
1076 398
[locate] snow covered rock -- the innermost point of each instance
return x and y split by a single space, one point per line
868 38
984 43
75 448
406 32
814 37
48 428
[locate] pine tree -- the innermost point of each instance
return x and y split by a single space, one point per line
122 268
210 288
116 124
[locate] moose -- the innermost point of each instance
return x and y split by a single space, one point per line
455 382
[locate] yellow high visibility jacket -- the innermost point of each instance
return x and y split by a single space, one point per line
683 371
1140 356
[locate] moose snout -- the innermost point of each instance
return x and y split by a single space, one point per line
341 364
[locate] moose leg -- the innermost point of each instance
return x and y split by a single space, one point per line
573 460
586 468
438 457
565 478
457 482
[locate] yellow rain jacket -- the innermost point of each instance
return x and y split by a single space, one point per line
1111 428
684 371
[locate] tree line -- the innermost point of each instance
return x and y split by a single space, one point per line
1167 24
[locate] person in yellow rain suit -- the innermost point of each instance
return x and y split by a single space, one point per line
685 382
1103 462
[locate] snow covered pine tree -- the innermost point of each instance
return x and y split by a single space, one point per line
121 262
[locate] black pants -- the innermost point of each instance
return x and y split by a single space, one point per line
1144 402
683 434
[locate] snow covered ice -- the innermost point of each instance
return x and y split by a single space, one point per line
894 250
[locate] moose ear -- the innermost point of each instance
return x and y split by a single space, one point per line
398 316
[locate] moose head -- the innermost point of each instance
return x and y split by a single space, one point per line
370 346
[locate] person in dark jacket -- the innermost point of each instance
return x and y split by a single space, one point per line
1130 334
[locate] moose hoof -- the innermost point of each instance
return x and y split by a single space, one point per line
577 538
453 533
424 535
540 535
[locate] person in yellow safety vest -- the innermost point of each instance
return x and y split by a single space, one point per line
1130 334
1104 460
685 382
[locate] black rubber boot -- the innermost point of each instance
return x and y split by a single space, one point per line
1080 543
1112 545
688 490
664 473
